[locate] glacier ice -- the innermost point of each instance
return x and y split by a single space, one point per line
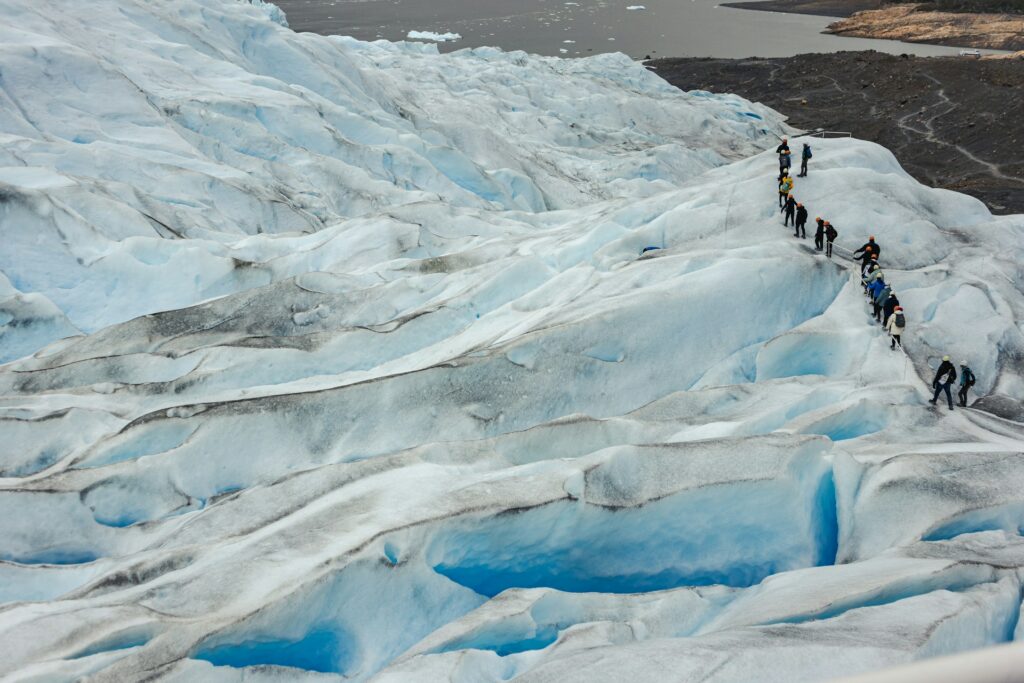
330 360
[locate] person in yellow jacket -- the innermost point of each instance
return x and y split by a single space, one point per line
785 187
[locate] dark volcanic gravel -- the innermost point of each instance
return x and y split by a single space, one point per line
952 122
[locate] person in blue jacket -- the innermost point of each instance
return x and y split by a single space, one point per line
876 286
805 156
967 381
944 377
879 301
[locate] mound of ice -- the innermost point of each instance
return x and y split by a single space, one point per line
377 384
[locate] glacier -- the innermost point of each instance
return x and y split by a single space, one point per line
332 360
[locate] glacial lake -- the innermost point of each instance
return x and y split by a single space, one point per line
662 28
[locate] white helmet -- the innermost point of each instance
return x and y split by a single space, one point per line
963 364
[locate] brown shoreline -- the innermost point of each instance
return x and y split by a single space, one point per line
880 20
908 23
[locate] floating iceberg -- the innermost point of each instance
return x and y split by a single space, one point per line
436 37
332 360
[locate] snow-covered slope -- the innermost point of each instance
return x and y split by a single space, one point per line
374 382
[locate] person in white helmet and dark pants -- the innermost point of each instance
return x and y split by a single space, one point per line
944 377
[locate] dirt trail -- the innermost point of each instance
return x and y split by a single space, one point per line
952 122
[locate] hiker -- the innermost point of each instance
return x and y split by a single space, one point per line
870 244
785 162
888 307
801 221
875 288
866 271
897 323
967 381
784 147
865 258
944 376
875 276
879 301
785 187
819 234
790 208
805 156
830 234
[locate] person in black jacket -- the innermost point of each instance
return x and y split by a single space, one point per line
866 257
819 234
784 147
830 236
888 307
865 272
944 377
790 208
870 244
967 381
801 221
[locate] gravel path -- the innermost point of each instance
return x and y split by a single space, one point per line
952 122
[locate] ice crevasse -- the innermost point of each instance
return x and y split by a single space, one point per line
331 360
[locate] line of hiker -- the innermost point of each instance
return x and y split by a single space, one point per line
886 308
786 159
795 212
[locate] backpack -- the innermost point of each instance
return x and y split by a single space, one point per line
832 233
900 320
968 377
807 152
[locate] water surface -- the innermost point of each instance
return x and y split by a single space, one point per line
664 28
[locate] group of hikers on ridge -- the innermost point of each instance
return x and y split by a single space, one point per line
886 308
786 159
824 234
944 378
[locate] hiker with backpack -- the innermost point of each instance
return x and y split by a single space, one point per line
785 162
805 156
944 377
801 221
790 208
897 323
967 381
785 188
819 234
830 235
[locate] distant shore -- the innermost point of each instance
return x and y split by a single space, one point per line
819 8
909 23
915 24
